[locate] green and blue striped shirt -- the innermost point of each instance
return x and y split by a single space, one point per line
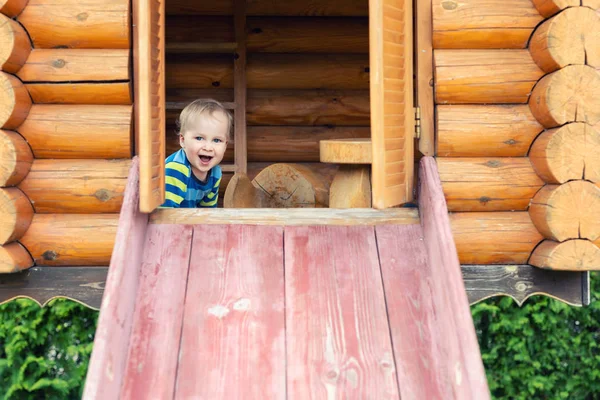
184 190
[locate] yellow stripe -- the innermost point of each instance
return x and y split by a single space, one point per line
217 183
172 196
179 167
171 180
211 195
210 203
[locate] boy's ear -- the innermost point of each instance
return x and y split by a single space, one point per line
181 140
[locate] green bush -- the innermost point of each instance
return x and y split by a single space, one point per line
543 350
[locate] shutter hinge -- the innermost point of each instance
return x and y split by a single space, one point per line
417 122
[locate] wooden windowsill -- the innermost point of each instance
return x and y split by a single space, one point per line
286 217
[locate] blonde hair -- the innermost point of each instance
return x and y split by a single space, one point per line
198 107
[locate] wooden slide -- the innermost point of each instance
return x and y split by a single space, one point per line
276 312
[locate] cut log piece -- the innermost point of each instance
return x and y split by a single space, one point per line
572 255
14 101
548 8
93 24
482 130
494 24
343 8
272 71
76 186
569 38
15 158
488 184
14 45
568 211
494 237
71 239
273 34
79 131
68 65
484 76
80 93
292 186
567 95
12 8
351 187
15 214
567 153
14 258
241 193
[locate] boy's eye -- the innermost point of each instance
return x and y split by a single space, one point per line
217 140
199 138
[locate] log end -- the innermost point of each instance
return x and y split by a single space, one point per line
14 258
16 214
14 45
241 193
548 8
569 38
567 95
346 151
567 153
15 102
572 255
569 211
12 8
15 158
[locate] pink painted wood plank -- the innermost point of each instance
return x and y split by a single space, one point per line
338 338
153 350
233 343
457 342
107 364
409 294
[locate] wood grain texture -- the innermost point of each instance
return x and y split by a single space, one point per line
346 151
521 282
79 131
16 214
488 184
153 354
12 8
84 285
14 258
108 361
424 72
14 45
548 8
234 320
336 324
80 93
351 187
472 24
72 65
484 76
485 130
457 340
86 186
274 8
93 24
15 158
14 101
572 255
240 87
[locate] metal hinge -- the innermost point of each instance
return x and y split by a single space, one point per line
417 122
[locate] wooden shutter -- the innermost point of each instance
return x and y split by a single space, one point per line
149 83
392 113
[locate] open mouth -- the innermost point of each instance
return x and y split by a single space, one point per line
205 159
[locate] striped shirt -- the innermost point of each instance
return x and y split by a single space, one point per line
184 190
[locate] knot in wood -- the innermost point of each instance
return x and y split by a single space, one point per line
103 195
50 255
493 163
59 63
449 5
82 16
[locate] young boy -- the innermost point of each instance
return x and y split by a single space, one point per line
192 173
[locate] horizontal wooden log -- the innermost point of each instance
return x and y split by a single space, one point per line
282 143
14 101
16 213
71 239
473 24
286 107
345 8
488 184
79 131
12 8
14 45
482 130
14 258
548 8
567 153
484 76
494 237
81 93
273 34
568 211
271 71
567 95
15 158
569 38
346 151
572 255
93 24
72 65
76 186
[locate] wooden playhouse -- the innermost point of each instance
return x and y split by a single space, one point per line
336 102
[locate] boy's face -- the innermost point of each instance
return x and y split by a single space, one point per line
205 141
